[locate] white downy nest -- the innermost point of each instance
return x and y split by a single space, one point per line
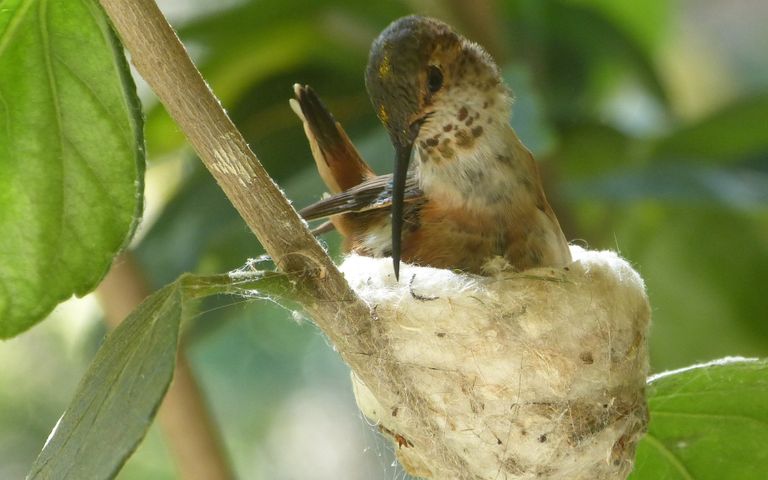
532 375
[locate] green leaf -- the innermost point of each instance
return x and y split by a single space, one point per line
727 136
120 393
707 422
118 396
71 155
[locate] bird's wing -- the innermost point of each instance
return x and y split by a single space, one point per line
338 161
373 194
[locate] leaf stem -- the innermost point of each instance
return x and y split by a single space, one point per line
239 283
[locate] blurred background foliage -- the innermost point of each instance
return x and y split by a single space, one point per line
650 120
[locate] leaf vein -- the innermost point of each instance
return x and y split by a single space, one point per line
671 457
111 118
46 49
13 25
99 183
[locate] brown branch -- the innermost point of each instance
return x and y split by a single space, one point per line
161 59
191 434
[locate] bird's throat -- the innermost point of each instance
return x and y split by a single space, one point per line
497 173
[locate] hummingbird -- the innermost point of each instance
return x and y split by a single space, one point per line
464 190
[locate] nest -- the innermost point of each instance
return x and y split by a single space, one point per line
520 375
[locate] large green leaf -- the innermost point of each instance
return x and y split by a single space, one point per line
118 396
71 155
707 422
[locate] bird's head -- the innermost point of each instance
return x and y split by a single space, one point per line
429 86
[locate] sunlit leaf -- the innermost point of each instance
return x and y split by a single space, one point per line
118 396
708 422
71 155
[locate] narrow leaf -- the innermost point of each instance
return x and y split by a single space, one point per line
708 422
118 396
71 155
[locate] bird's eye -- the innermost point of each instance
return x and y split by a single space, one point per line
434 78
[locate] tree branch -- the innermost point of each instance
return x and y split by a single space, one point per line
162 61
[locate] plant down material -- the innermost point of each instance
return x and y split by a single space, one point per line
539 374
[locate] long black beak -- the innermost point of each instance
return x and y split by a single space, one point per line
402 159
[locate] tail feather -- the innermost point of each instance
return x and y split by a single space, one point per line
338 161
